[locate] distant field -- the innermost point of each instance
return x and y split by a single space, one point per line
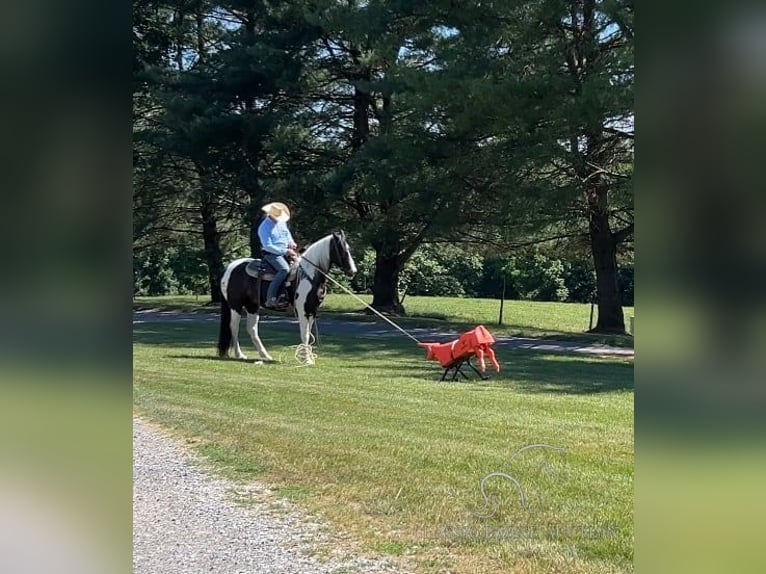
520 318
370 439
532 316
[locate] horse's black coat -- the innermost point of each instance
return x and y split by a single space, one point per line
243 290
316 295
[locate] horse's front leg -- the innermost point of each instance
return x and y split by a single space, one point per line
306 316
252 328
306 323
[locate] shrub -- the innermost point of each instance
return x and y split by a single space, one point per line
170 271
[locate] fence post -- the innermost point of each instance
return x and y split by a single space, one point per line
502 302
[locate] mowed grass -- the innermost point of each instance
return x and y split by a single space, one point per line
370 439
567 321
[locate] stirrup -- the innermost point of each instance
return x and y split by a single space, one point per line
278 305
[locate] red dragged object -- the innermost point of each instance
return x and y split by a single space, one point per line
453 355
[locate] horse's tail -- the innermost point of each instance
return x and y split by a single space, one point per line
224 335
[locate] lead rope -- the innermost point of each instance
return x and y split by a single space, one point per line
304 353
370 307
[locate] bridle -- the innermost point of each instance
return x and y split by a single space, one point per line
336 254
336 249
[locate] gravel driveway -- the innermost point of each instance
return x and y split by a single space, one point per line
185 522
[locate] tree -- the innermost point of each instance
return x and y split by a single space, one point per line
501 126
595 39
408 161
175 135
558 84
220 92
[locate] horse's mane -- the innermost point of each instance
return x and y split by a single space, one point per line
317 253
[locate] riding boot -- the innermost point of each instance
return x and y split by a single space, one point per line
282 302
277 304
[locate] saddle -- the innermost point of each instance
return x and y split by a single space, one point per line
263 269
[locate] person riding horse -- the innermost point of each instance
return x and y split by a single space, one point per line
278 246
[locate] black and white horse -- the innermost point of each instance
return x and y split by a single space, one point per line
305 292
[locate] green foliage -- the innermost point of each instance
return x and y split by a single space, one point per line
537 278
441 269
173 271
530 276
580 280
625 282
540 276
152 274
365 265
433 270
405 123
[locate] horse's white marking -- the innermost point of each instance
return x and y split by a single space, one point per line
227 274
252 328
318 253
306 324
302 293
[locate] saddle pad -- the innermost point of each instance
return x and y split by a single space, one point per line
254 270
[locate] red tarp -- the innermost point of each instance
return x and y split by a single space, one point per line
476 342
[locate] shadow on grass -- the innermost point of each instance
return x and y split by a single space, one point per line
539 373
178 306
175 334
432 320
522 370
250 359
532 373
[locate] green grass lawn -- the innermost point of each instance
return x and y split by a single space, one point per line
369 439
566 321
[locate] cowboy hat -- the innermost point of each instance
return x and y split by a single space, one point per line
277 210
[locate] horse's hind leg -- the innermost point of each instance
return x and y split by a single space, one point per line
234 325
252 328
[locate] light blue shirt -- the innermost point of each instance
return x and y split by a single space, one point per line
275 236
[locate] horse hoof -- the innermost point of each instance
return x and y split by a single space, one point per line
242 357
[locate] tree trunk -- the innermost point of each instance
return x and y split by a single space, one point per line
254 217
385 287
212 242
178 19
253 212
582 61
604 249
361 131
252 148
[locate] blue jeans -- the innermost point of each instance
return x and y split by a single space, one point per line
279 263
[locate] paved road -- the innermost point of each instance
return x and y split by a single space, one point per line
381 329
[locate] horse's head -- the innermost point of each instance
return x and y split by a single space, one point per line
340 254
